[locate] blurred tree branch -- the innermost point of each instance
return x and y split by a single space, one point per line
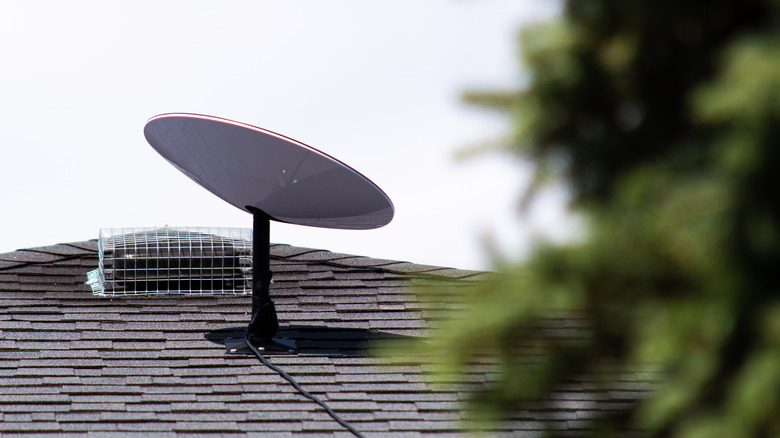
662 116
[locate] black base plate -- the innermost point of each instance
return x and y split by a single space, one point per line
275 346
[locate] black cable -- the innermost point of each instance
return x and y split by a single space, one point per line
303 392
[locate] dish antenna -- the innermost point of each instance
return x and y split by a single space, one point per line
273 177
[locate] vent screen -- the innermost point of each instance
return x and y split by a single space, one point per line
173 260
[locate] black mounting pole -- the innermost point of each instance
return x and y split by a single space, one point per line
264 323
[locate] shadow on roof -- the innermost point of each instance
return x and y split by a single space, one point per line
321 340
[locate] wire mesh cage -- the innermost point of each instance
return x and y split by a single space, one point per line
173 260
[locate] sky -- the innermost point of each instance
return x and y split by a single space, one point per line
374 84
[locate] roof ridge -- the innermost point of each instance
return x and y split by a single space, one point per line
46 254
309 256
279 251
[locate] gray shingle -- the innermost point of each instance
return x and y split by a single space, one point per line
29 256
89 245
85 249
287 251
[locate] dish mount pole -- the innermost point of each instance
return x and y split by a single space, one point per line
264 322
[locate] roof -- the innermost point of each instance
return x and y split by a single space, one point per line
71 362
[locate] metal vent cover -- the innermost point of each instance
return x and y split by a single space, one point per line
173 260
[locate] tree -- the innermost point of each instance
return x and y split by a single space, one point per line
663 117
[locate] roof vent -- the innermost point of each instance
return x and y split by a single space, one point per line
173 260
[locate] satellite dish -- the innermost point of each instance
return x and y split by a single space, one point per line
274 178
256 169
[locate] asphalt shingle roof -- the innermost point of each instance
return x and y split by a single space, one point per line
74 363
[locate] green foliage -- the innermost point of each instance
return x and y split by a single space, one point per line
663 117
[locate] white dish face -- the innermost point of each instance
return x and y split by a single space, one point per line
251 167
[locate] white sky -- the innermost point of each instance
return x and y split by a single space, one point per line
375 84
